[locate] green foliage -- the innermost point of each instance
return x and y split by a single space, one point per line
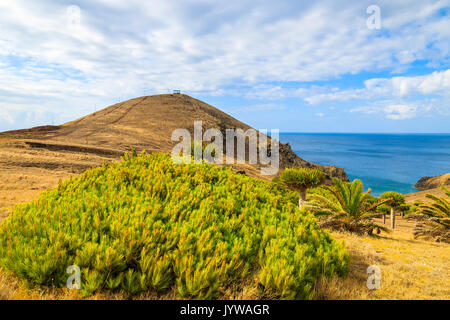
404 208
347 207
384 209
371 200
302 178
198 148
412 208
393 199
438 208
433 218
148 224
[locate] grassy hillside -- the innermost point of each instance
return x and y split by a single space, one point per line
145 123
146 224
32 160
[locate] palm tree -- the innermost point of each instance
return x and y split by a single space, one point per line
438 211
301 179
347 208
438 208
395 200
384 209
403 208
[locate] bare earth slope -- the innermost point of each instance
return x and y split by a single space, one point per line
147 123
421 195
32 160
429 185
144 123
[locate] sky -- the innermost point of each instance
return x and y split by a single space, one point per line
296 66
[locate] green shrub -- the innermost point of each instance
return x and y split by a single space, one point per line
404 208
437 222
384 209
148 224
396 201
393 199
198 148
301 179
346 207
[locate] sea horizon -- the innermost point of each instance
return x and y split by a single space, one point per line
382 161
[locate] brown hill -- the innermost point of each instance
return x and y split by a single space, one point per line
35 159
426 183
421 196
146 123
429 185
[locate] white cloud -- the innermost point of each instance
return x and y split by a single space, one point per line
130 48
398 98
392 111
400 112
332 95
436 83
366 109
256 108
6 116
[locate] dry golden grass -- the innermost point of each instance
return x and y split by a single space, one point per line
421 195
410 269
144 123
25 171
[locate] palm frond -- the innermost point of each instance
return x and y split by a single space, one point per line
437 226
379 203
346 207
319 203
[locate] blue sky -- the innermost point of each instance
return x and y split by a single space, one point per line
299 66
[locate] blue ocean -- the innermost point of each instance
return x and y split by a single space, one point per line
381 161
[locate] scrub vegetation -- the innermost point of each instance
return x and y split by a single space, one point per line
146 224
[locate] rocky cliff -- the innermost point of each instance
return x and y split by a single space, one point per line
427 183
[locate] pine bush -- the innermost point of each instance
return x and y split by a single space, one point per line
148 224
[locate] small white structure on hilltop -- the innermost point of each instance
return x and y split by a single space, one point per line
176 91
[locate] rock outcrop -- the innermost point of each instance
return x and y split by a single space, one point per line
289 159
427 183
